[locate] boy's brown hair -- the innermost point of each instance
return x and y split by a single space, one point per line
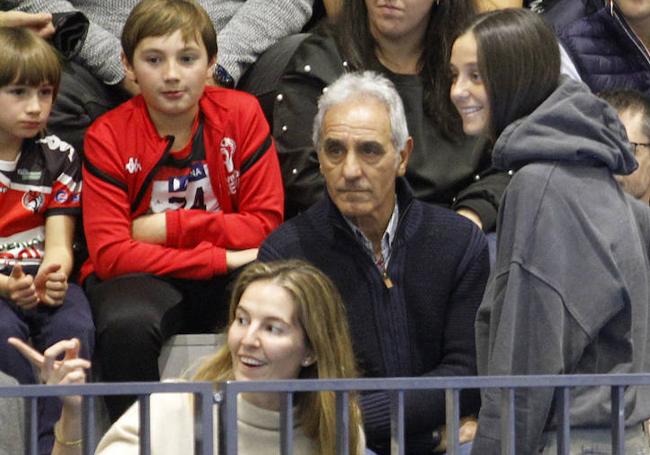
164 17
27 59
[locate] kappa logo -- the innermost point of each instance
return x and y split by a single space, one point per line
133 166
228 148
33 200
54 143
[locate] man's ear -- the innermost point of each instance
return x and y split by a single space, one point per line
128 68
404 156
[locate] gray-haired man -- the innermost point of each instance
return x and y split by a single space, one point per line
411 274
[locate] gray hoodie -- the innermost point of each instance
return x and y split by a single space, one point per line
570 291
12 427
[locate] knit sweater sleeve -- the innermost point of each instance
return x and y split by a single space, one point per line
100 53
168 436
256 26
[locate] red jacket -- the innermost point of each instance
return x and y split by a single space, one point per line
122 149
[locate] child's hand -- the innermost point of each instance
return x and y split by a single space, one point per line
51 284
21 288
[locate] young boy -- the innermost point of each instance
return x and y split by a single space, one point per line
633 108
181 185
39 199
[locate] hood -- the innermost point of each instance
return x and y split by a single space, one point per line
572 124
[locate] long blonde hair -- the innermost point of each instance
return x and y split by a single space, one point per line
321 313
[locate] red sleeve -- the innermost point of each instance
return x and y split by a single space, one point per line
259 203
107 223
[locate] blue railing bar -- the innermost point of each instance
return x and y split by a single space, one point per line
618 421
145 425
88 425
286 423
422 383
203 424
104 389
397 423
305 385
227 399
452 419
31 428
343 423
562 403
508 421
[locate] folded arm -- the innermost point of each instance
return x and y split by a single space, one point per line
257 207
107 224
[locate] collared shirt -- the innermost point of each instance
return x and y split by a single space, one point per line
386 240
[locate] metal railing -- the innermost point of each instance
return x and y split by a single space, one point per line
226 398
203 405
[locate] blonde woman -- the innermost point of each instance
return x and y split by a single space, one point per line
284 317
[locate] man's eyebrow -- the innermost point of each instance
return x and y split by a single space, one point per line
329 142
370 145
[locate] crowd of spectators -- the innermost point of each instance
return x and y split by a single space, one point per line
452 174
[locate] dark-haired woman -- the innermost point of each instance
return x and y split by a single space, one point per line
570 290
409 41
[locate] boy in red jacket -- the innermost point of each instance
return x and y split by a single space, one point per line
181 185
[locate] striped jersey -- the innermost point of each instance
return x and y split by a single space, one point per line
43 180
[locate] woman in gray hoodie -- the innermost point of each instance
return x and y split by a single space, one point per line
569 293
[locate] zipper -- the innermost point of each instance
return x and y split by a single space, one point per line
631 34
152 173
388 283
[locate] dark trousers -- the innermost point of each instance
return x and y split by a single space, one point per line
44 326
135 314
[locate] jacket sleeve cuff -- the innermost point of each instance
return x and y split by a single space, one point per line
219 266
173 228
485 211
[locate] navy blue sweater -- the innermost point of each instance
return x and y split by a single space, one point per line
423 325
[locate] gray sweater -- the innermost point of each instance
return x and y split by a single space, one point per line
12 427
245 28
569 293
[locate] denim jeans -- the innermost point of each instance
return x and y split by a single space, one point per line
598 442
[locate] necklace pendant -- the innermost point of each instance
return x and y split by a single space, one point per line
387 281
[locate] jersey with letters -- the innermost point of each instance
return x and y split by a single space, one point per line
42 181
182 180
